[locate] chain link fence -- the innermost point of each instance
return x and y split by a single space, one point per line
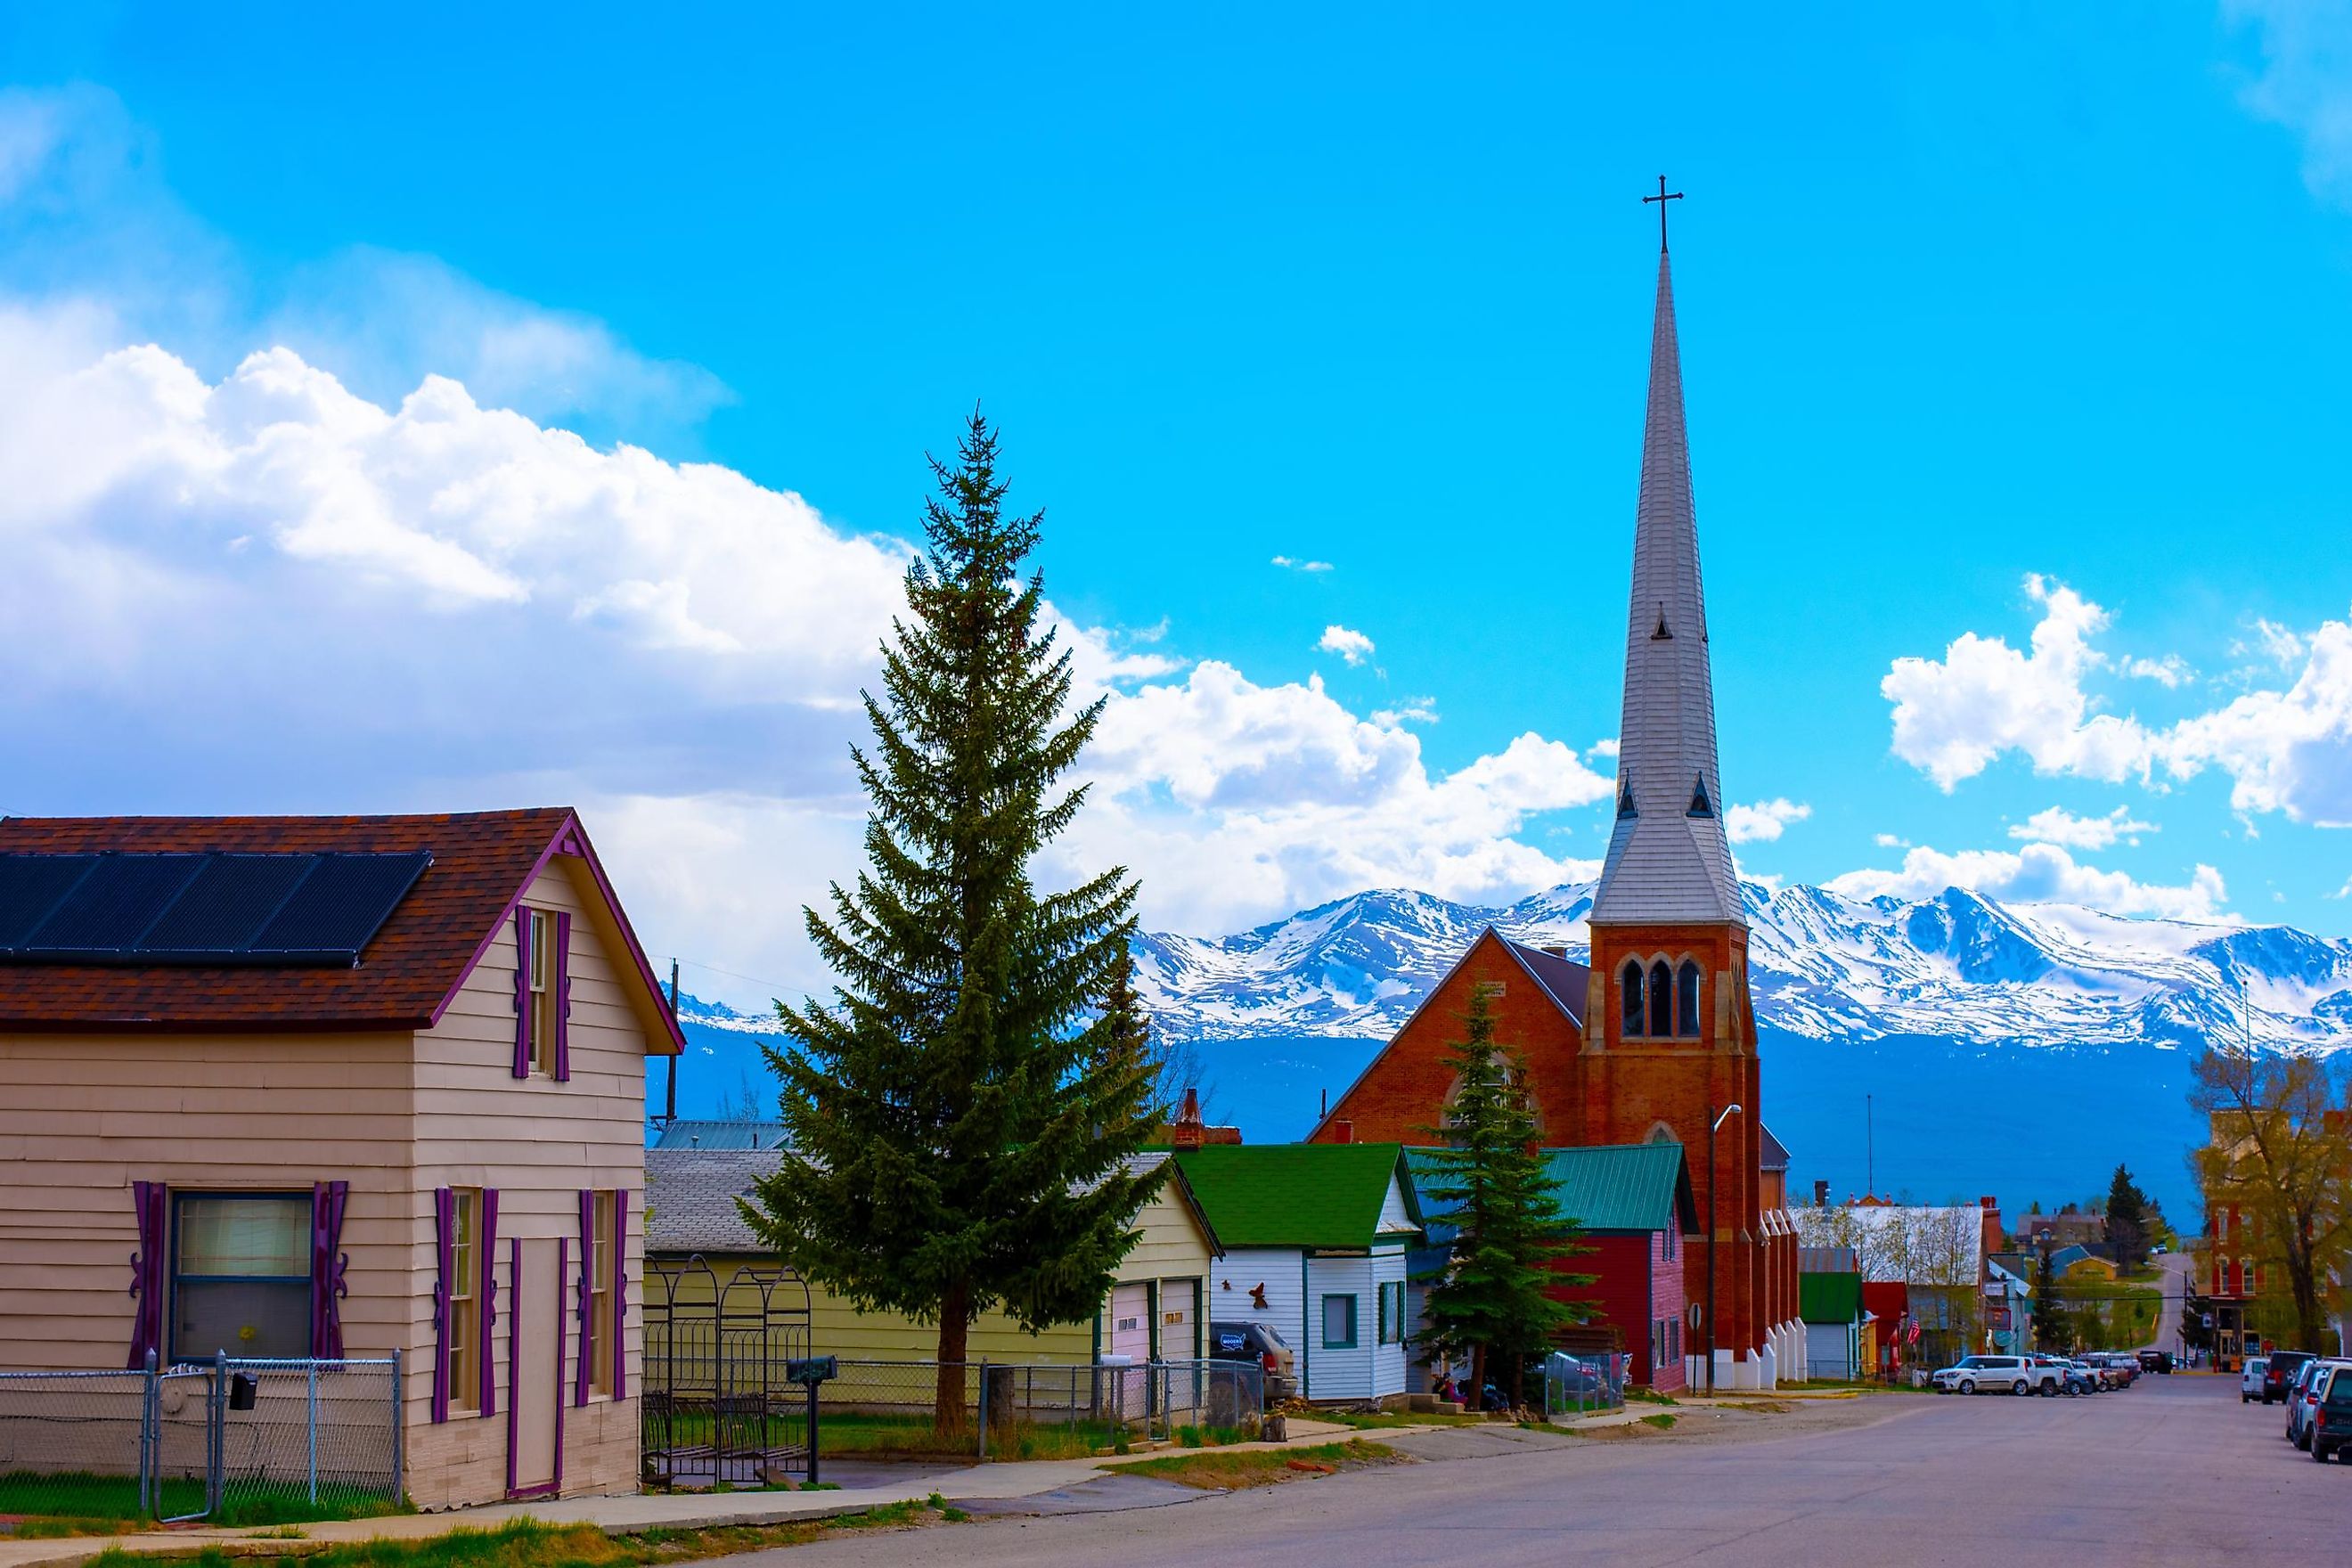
240 1441
1582 1385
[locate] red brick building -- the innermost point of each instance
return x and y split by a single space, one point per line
1656 1039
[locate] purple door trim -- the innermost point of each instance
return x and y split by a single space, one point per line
328 1264
150 1203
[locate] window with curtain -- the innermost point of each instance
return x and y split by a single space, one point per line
241 1275
600 1296
465 1296
1629 999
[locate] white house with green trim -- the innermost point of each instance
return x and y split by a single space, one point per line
1316 1252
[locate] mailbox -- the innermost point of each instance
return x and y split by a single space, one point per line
812 1370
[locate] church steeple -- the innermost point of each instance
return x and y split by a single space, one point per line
1669 862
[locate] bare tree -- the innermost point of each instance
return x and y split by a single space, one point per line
2281 1155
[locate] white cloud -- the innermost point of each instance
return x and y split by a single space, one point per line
1607 748
2056 825
1953 717
2286 751
1352 646
2040 873
2304 83
1762 822
2171 672
1411 710
1289 564
1890 841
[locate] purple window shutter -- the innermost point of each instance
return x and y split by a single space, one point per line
561 981
580 1376
522 993
487 1251
620 1292
444 1228
327 1200
148 1271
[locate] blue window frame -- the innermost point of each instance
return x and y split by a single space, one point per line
1338 1323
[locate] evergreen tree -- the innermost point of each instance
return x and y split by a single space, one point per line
959 1113
2127 1220
1492 1297
2053 1328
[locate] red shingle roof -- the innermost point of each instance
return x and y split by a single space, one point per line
481 860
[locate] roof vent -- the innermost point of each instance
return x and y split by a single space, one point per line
1662 634
1625 798
1700 805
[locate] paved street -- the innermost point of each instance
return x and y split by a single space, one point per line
2172 1471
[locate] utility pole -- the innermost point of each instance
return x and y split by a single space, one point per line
670 1100
1869 1148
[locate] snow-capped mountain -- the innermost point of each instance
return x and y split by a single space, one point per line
1959 967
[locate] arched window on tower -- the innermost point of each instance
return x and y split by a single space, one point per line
1686 1000
1629 1000
1662 999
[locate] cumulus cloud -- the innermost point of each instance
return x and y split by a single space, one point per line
2038 873
1411 710
2285 750
2171 672
1291 564
1890 841
2056 825
1953 716
2304 83
1352 646
1762 822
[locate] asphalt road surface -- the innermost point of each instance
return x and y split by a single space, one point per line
2171 1470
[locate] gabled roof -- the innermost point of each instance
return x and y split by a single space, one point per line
1634 1187
1829 1297
408 973
1774 1155
1312 1195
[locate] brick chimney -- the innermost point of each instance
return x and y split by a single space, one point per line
1187 1133
1822 1194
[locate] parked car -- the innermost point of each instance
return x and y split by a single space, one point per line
2250 1379
2118 1369
1263 1344
2278 1372
2057 1375
2303 1395
2331 1418
1997 1375
2156 1361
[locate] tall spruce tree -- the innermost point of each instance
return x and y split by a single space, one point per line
960 1112
2126 1219
2053 1326
1492 1296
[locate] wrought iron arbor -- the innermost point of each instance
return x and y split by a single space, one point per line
720 1401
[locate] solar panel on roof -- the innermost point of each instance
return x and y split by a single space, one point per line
228 904
112 907
31 886
340 904
199 909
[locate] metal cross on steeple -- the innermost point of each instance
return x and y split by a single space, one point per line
1662 198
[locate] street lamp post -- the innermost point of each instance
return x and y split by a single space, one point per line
1714 1125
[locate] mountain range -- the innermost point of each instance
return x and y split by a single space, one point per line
1947 1046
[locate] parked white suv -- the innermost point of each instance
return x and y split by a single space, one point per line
2250 1379
1997 1375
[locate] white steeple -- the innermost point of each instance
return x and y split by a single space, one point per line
1669 862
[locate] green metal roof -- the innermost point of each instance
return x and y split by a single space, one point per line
1610 1186
1295 1195
1829 1297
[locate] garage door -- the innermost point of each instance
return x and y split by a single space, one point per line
1130 1321
1179 1309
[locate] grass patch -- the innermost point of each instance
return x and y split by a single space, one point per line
1383 1420
1634 1395
1263 1468
1662 1421
88 1504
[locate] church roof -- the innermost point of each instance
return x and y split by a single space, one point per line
1562 978
1669 861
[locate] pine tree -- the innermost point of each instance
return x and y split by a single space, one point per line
2127 1220
959 1114
2053 1328
1492 1297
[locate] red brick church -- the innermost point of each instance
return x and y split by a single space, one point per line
1656 1038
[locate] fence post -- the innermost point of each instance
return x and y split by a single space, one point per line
311 1370
150 1421
983 1410
216 1434
812 1431
399 1432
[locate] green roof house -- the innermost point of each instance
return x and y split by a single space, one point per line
1831 1305
1315 1238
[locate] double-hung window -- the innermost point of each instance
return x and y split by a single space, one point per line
542 992
600 1294
1338 1323
465 1294
1391 1318
241 1275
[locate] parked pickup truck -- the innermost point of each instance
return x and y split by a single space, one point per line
1997 1374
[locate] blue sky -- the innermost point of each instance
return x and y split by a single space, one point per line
2015 347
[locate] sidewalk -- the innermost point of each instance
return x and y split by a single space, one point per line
628 1515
